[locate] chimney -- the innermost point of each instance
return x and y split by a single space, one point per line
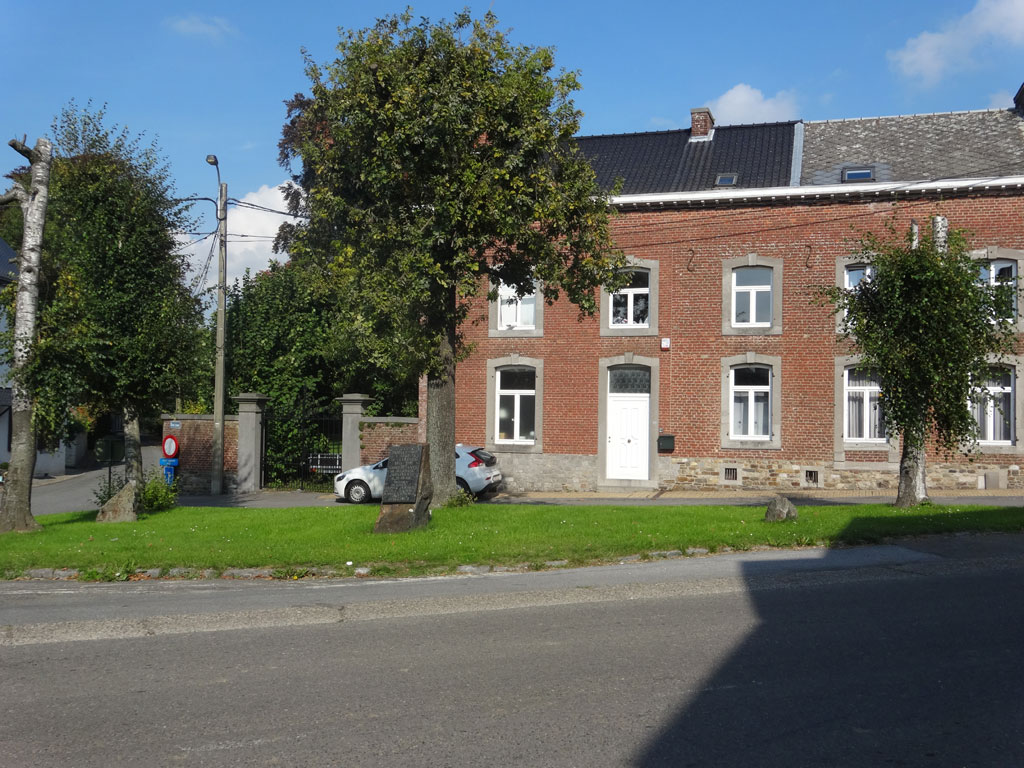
701 122
1018 100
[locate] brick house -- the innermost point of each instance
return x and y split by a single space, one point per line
716 366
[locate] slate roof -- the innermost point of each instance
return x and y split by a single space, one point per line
979 144
667 161
954 145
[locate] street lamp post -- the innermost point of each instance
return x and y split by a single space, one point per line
217 449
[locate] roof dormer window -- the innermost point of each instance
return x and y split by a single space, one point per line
727 179
861 173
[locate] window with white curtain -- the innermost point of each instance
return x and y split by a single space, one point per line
994 410
750 402
515 311
516 403
863 406
631 306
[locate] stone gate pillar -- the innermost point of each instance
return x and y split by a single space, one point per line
250 440
352 406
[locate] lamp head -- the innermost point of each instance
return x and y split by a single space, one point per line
211 159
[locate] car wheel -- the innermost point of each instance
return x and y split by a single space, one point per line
357 492
463 486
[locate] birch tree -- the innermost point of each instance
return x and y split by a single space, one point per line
16 512
931 330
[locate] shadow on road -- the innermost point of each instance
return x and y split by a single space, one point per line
901 671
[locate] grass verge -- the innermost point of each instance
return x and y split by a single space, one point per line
292 540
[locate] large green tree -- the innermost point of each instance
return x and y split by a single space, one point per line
283 341
931 330
434 156
118 326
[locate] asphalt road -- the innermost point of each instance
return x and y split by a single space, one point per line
907 655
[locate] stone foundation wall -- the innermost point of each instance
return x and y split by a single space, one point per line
558 472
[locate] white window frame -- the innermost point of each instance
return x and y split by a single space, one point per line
752 291
993 266
650 328
991 413
729 326
507 297
772 441
495 328
998 255
869 272
514 361
750 391
517 395
631 295
865 392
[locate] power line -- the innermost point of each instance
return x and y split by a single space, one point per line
265 209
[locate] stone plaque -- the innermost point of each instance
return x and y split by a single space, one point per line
405 503
403 480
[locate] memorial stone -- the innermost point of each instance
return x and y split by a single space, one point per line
405 503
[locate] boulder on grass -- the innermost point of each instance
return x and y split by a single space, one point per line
780 508
121 508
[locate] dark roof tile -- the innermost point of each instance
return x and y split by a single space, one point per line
667 161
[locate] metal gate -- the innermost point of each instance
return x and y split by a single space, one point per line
301 448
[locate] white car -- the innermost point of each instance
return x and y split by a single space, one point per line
476 472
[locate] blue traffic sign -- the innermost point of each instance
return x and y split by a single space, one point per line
168 462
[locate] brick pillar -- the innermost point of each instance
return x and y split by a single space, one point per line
352 406
421 411
250 440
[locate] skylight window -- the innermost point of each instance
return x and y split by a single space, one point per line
858 174
727 180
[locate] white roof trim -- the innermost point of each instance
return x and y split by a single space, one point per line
875 189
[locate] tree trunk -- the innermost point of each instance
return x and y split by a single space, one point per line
16 514
441 421
133 457
912 489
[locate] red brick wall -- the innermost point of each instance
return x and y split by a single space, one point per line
690 245
377 437
195 445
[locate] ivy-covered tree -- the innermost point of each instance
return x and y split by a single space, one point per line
931 330
432 156
283 340
118 326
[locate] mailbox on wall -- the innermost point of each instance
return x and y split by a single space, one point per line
666 443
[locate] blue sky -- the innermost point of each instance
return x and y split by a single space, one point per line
211 77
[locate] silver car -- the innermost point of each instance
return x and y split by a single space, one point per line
476 472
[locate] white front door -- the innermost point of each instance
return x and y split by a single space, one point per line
628 437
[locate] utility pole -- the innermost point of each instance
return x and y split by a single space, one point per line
217 449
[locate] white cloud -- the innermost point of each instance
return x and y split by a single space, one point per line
745 104
931 56
1000 100
251 232
251 235
209 27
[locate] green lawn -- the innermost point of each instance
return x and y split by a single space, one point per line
513 535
